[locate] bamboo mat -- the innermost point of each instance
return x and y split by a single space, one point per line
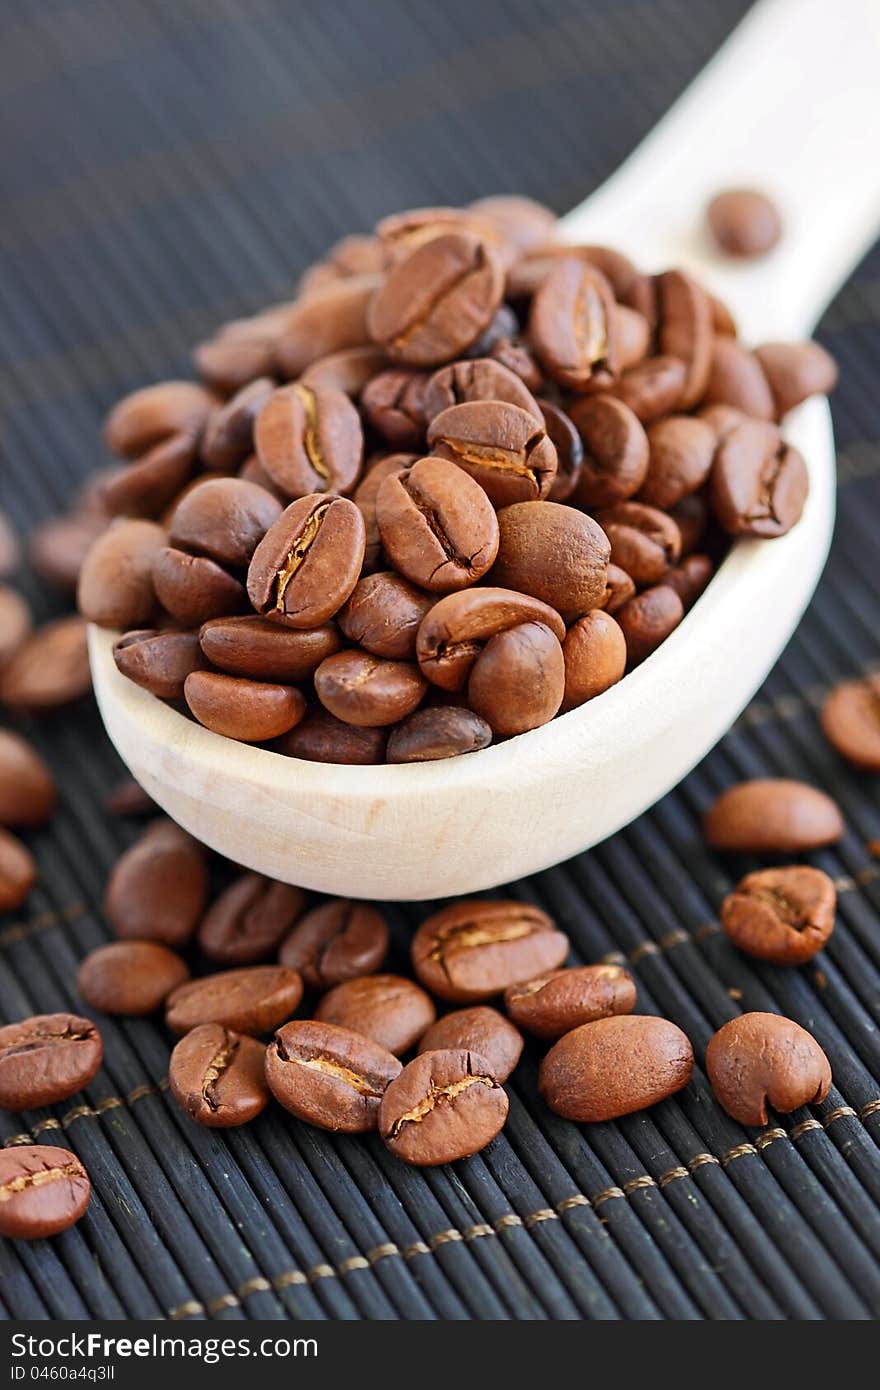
170 163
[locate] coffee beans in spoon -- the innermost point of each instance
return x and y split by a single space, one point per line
455 409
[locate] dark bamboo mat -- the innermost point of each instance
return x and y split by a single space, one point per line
169 163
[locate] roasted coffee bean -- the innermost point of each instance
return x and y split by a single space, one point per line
253 1000
10 550
616 451
744 222
384 613
759 483
228 363
307 564
850 722
505 449
351 255
555 553
796 371
648 619
437 732
157 889
194 589
348 370
128 798
15 623
594 652
229 432
329 321
619 588
737 379
43 1190
27 787
518 680
246 710
553 1004
150 484
523 222
266 651
249 919
152 414
394 404
443 1106
337 941
309 440
569 451
50 669
365 499
329 1076
685 331
723 322
758 1060
367 690
645 542
503 326
116 581
513 354
403 232
653 387
681 453
690 578
572 325
322 738
159 661
46 1058
388 1009
455 631
481 1030
480 379
437 300
476 948
252 471
781 915
633 334
218 1076
18 872
437 525
615 1067
773 816
131 978
691 516
225 519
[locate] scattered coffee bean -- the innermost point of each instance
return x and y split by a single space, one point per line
443 1106
553 1004
46 1058
307 564
389 1009
159 661
43 1190
250 711
773 816
18 872
253 1000
475 948
594 652
851 722
555 553
27 787
744 222
481 1030
218 1076
130 977
441 731
49 670
157 889
15 623
249 919
781 915
437 525
340 940
760 1059
128 798
614 1067
322 738
329 1076
648 619
504 448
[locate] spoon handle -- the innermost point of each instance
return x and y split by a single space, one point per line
790 105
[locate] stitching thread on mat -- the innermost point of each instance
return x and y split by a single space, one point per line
20 931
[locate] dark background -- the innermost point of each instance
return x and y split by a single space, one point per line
168 165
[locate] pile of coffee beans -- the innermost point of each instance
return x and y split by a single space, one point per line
460 484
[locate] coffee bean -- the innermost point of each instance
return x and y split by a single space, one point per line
403 232
615 1067
43 1190
116 584
553 1004
633 333
266 651
476 948
46 1058
157 889
131 978
781 915
685 331
349 370
436 300
10 550
615 451
518 680
505 449
523 222
252 471
443 1106
250 711
645 541
365 497
760 1059
572 325
351 255
744 222
15 623
437 525
152 414
27 787
366 690
18 872
648 619
229 432
146 487
513 354
594 652
218 1076
225 519
455 631
388 1009
691 516
682 449
690 578
737 379
50 669
230 363
128 798
555 553
759 483
383 615
249 919
619 588
309 440
569 451
653 387
322 738
438 732
394 404
329 1076
329 321
337 941
850 722
773 816
480 379
796 371
194 589
307 564
481 1030
158 661
253 1000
